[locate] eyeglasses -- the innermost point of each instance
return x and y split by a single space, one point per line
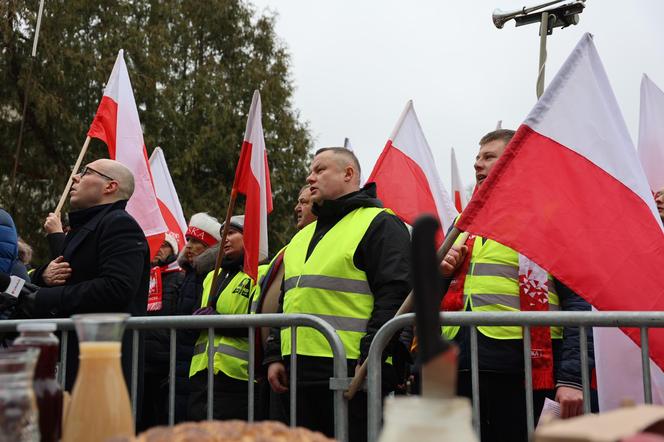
88 169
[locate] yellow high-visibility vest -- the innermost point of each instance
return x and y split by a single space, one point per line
231 354
492 285
328 285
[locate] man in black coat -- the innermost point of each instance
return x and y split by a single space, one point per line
104 264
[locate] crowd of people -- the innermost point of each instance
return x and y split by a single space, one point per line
348 264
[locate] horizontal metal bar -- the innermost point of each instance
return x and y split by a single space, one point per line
568 319
340 383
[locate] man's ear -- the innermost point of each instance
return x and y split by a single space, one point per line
111 187
349 173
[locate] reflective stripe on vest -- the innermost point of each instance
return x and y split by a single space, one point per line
328 285
492 284
231 355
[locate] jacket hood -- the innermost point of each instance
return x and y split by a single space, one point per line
203 263
365 197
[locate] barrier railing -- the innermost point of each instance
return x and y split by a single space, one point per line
251 322
582 320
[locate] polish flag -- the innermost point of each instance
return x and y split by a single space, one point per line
167 197
252 178
116 124
569 193
651 133
406 177
460 200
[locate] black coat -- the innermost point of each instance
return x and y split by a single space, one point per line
157 342
110 261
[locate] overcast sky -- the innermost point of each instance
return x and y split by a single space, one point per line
355 64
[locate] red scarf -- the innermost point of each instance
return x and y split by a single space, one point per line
155 292
533 296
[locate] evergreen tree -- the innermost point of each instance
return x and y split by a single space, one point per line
193 66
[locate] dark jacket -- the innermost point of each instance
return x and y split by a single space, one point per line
109 257
383 254
188 301
8 242
157 342
56 242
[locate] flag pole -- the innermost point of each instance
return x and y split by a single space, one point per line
407 306
74 171
33 55
224 234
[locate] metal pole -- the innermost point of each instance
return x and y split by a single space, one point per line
544 30
528 368
475 381
171 378
250 385
134 374
645 362
210 373
585 371
25 96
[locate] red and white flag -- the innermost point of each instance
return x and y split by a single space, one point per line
460 200
570 194
167 197
116 124
406 177
252 178
651 133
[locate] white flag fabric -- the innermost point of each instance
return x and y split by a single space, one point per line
167 197
406 177
458 193
252 178
651 133
117 124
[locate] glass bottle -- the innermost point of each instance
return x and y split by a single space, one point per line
99 407
47 389
19 419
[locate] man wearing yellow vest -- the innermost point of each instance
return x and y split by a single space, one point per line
350 268
231 352
488 276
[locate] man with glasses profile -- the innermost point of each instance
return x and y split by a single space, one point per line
104 264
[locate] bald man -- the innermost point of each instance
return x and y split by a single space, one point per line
104 264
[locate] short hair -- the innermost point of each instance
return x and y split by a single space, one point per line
347 154
498 135
122 175
302 189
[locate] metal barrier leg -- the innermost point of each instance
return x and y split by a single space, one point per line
475 381
171 378
374 395
645 363
585 374
210 374
250 386
134 374
528 365
63 357
293 378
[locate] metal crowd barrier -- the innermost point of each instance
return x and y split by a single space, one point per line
339 383
582 320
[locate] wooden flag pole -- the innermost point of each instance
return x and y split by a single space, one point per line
74 171
224 234
407 306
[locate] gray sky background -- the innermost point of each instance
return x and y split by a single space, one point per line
355 63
